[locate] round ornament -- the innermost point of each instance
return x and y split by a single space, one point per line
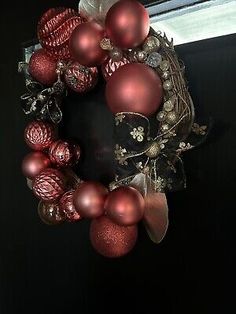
67 207
34 163
63 153
50 214
151 44
110 66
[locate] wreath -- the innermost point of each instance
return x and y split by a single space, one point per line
153 120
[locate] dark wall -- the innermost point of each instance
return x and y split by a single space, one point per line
54 270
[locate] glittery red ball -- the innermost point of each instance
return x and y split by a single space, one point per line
42 67
110 66
50 214
80 78
110 239
67 207
63 153
39 135
54 31
49 185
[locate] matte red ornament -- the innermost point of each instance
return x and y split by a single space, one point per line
67 207
64 153
49 185
79 78
110 239
54 31
50 214
34 163
85 44
110 66
134 87
125 206
39 135
127 23
89 199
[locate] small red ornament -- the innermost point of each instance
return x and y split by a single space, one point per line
50 214
34 163
110 66
134 87
42 67
80 78
54 31
127 23
49 185
67 207
110 239
89 199
63 153
39 135
125 206
85 44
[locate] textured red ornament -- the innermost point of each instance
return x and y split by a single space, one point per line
110 239
50 214
49 185
42 67
80 78
85 44
63 153
89 199
125 206
110 66
127 23
39 135
134 87
34 163
54 31
67 207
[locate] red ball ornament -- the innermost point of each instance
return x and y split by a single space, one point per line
39 135
50 213
49 185
85 44
80 78
110 239
34 163
125 206
54 31
127 23
134 87
63 153
89 199
110 66
67 207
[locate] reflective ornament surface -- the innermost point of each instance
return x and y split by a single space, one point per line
67 207
154 59
50 214
34 163
63 153
151 44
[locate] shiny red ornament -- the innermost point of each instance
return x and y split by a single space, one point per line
64 153
67 207
134 87
79 78
110 66
50 213
110 239
49 185
42 67
39 135
125 206
34 163
127 23
85 44
54 31
89 199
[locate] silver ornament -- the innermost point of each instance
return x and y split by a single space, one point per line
171 117
151 44
167 85
165 127
168 105
164 65
154 59
116 54
106 44
161 116
165 75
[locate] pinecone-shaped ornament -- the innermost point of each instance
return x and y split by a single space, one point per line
67 207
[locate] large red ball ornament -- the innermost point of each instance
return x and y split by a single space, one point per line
85 44
134 87
110 66
67 207
42 67
125 206
127 23
54 31
63 153
34 163
110 239
89 199
39 135
50 213
49 185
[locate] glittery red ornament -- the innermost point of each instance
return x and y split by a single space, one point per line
67 207
39 135
34 163
110 239
50 214
54 31
110 66
80 78
63 153
49 185
42 67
